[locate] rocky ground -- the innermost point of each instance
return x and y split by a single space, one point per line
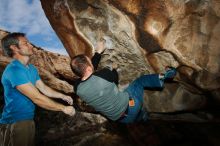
57 130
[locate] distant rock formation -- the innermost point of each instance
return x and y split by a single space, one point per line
54 68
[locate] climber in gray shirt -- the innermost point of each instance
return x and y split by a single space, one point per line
99 88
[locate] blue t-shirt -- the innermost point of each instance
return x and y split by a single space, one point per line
17 107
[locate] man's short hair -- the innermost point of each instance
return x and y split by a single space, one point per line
79 64
10 39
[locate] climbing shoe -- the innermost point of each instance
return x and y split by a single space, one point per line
170 73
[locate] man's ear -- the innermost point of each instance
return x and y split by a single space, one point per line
89 69
14 48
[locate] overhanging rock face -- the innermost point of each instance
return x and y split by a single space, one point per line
145 36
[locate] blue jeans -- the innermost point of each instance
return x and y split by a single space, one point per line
136 92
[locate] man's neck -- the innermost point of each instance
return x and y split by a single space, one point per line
86 75
23 59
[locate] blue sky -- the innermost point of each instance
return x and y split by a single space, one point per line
27 16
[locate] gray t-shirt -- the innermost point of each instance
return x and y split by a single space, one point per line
104 96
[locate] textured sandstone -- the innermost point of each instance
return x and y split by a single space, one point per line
144 37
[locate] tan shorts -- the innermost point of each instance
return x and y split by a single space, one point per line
17 134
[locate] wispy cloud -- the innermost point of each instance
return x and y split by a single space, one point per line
27 16
56 50
24 15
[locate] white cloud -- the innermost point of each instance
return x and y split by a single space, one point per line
56 50
24 15
28 16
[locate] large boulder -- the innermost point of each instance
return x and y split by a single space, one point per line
145 36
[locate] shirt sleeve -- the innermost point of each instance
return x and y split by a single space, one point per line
17 76
37 76
95 60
